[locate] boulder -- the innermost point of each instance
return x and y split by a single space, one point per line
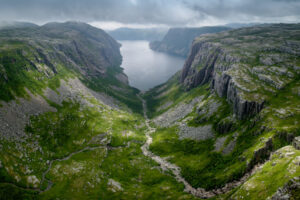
288 191
296 142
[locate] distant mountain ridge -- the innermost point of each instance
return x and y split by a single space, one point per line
75 47
224 127
179 40
16 24
241 25
149 34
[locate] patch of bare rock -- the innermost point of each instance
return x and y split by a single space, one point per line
176 113
15 114
195 133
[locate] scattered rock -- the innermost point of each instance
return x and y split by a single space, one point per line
122 78
176 113
261 154
229 148
15 114
114 185
288 191
195 133
74 89
164 106
32 180
297 161
229 65
220 143
296 142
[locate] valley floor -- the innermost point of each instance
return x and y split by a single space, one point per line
225 127
123 166
166 166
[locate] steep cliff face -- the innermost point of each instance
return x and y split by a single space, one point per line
245 65
234 104
64 115
178 41
33 57
87 48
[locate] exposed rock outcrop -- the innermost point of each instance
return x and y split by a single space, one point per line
14 116
59 51
122 78
296 143
114 185
261 154
225 125
289 190
216 62
231 62
195 133
176 113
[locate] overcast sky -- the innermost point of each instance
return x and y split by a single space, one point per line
110 14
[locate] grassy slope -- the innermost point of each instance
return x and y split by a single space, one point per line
23 65
171 92
18 72
73 127
282 166
201 165
55 135
86 174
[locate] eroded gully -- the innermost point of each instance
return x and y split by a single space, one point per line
164 165
167 166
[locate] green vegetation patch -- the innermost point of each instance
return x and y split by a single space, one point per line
172 91
283 165
200 165
117 173
68 129
19 69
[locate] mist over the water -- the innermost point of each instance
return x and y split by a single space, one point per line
146 68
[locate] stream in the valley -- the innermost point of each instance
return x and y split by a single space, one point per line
146 68
165 165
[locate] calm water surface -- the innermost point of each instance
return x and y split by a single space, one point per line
146 68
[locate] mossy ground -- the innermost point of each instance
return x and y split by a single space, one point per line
283 166
23 66
19 72
171 91
118 136
201 165
85 175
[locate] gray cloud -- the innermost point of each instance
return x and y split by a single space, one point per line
168 12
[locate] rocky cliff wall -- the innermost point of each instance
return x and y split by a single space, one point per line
235 64
178 41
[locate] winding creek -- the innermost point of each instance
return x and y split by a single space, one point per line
50 183
167 166
63 159
164 165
